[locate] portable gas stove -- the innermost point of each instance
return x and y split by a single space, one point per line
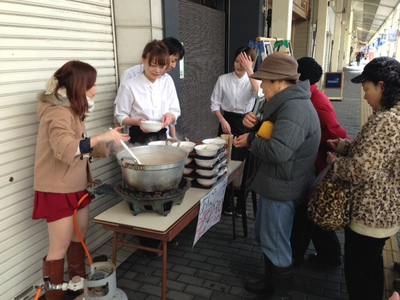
160 202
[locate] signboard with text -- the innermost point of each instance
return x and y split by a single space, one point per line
334 80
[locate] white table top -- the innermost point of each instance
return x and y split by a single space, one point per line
121 215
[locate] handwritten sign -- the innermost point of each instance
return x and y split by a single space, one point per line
333 80
210 209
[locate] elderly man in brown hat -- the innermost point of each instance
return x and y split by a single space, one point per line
284 167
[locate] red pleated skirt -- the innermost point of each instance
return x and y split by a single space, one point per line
54 206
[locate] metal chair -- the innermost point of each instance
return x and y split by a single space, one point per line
248 171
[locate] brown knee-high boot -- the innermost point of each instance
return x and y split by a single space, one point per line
76 260
54 269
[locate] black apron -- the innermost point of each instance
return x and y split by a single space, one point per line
235 120
138 136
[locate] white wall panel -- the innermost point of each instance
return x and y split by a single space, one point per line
36 38
136 25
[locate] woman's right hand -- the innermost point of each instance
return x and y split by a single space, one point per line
114 135
241 141
333 143
250 120
226 128
140 125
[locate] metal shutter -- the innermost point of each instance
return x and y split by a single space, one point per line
36 38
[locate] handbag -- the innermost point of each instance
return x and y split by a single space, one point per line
329 206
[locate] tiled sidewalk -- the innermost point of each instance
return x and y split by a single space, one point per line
217 268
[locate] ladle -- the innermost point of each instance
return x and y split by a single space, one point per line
129 150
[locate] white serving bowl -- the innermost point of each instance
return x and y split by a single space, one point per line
206 173
208 150
206 182
215 141
152 126
185 145
157 143
188 160
206 163
187 171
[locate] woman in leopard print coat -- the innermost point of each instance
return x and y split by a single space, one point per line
371 163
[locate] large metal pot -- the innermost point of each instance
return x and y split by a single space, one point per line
160 168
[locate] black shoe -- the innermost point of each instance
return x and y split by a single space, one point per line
238 212
315 258
259 286
396 266
227 209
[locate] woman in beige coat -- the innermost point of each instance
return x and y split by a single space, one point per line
62 169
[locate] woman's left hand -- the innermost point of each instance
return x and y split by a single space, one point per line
331 157
250 120
168 119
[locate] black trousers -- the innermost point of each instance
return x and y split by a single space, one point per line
363 266
235 120
326 243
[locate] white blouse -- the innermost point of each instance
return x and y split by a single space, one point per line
140 98
234 94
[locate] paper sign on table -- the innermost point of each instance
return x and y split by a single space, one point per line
210 209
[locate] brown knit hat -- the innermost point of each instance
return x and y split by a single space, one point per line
277 67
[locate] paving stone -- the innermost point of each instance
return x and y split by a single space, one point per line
179 295
176 285
209 275
202 265
148 278
198 290
184 269
151 290
218 261
191 279
128 284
